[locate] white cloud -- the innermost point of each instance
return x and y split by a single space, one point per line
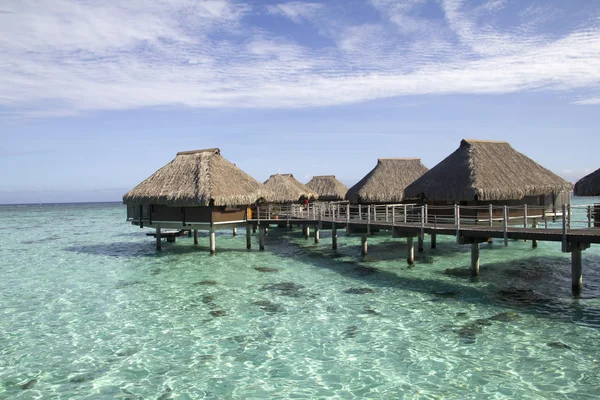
297 11
59 57
588 102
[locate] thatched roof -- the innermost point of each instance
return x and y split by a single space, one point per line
386 182
287 188
195 178
589 185
485 171
328 188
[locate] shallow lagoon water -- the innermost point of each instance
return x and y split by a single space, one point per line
90 311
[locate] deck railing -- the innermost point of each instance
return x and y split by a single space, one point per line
564 218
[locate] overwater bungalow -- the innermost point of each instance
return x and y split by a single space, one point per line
197 190
387 181
484 172
287 189
328 188
589 185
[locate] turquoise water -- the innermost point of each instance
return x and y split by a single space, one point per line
89 310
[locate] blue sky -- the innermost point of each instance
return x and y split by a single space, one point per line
95 96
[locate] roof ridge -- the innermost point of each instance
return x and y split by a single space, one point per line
214 150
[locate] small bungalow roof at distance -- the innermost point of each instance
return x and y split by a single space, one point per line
328 187
589 185
287 189
386 182
198 178
486 170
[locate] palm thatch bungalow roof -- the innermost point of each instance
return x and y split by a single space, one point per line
328 188
287 189
484 170
589 185
386 182
198 178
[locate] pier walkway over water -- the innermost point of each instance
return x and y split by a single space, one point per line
575 227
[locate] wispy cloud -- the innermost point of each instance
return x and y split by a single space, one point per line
297 11
59 57
588 102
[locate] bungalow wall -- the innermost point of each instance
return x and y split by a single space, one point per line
151 213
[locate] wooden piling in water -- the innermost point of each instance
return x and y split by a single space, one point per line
234 232
213 245
333 236
261 238
195 236
248 237
475 258
306 232
317 234
363 244
158 242
433 240
420 243
576 270
410 257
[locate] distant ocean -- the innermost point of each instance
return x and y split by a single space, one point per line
90 310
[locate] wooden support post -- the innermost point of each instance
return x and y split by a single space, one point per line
261 238
190 233
420 243
422 235
195 236
524 215
576 278
333 236
306 231
213 247
433 240
564 229
534 242
491 219
363 244
317 234
457 219
248 237
410 256
347 218
505 223
475 258
253 228
158 240
234 232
